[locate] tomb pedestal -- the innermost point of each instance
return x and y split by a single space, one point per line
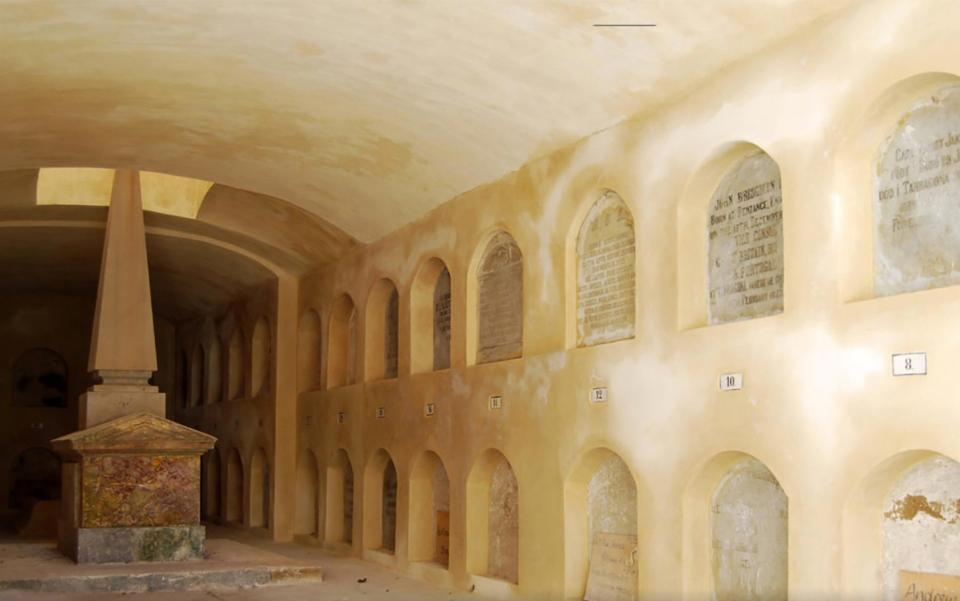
131 491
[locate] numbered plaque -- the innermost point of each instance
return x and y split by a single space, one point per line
910 364
731 381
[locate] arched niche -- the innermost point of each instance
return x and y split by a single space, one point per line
916 243
340 499
213 372
382 331
600 519
307 508
308 352
234 496
197 375
735 194
211 485
342 343
259 504
40 379
749 535
498 289
866 204
902 516
606 273
921 528
735 526
235 365
260 356
380 503
430 318
429 511
493 518
185 380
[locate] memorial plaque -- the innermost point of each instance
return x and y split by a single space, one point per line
920 586
391 343
443 537
746 242
916 212
606 273
613 568
500 301
441 322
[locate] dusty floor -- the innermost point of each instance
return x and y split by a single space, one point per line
341 579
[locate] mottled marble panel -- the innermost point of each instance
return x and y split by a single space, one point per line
140 490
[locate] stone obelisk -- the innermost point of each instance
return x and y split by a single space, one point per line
131 477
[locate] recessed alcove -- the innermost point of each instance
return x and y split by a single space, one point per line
428 520
883 243
259 504
382 331
309 359
342 343
600 517
730 264
234 497
380 486
211 472
339 499
493 518
307 491
235 365
430 318
260 357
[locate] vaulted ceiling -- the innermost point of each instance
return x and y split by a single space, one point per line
366 114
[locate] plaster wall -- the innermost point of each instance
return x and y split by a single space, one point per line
819 406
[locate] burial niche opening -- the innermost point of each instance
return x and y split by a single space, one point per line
749 535
429 522
260 356
259 490
308 352
40 379
921 525
339 524
916 184
745 242
235 366
307 497
500 300
197 376
430 318
601 547
342 345
382 331
213 379
211 485
606 273
234 511
493 526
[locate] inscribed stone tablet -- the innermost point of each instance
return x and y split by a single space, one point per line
348 505
500 301
916 189
613 568
746 242
391 341
606 274
441 322
443 537
919 586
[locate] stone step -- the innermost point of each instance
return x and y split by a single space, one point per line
140 579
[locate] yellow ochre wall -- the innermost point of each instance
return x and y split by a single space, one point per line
819 406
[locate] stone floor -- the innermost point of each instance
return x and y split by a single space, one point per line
341 576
